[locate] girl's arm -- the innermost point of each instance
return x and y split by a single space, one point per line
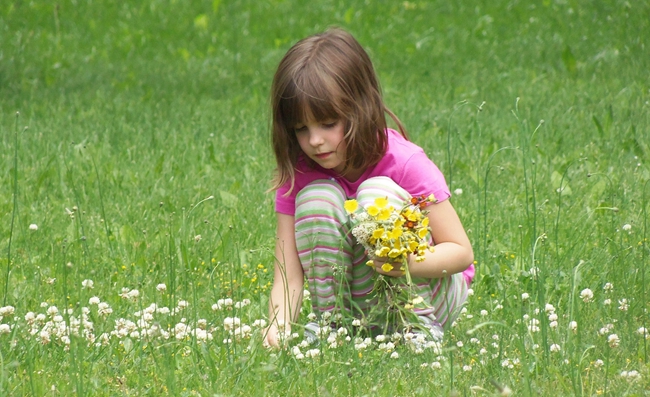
288 281
452 252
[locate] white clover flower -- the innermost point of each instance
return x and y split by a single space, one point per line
525 296
631 376
5 329
33 227
484 313
103 309
549 308
613 340
394 355
161 287
599 363
312 353
643 332
467 368
87 284
230 323
573 326
470 292
623 304
607 302
44 337
197 238
380 338
553 324
242 304
608 287
50 280
587 295
552 317
7 311
555 348
627 227
458 192
94 300
482 351
436 365
261 323
459 343
182 304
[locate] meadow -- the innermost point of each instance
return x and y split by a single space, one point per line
137 233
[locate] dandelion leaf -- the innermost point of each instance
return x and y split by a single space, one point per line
228 200
569 60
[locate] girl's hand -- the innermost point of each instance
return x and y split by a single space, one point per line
270 336
273 338
395 272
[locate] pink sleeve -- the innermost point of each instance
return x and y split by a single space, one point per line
422 177
285 204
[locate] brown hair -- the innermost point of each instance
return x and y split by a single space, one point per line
328 76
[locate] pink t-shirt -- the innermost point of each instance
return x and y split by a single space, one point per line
404 162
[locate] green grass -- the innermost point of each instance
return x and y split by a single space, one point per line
139 111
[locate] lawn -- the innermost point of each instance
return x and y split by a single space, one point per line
137 233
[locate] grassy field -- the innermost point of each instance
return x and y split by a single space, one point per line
136 233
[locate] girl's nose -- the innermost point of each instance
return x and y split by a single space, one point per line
315 137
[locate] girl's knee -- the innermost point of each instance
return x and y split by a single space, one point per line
381 186
320 196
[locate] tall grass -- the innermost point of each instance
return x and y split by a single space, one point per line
138 112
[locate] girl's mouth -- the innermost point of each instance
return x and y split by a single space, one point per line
323 155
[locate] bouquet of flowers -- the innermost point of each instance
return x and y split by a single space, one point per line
392 234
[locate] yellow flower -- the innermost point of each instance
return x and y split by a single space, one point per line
394 253
387 267
413 245
350 206
373 210
370 263
378 233
399 222
395 233
384 214
382 252
425 222
381 202
422 233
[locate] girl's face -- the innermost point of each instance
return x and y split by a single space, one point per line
323 141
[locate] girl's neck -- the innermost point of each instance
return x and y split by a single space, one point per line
354 175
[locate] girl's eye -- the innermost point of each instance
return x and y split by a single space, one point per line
330 124
300 129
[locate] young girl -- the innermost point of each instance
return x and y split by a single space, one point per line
332 143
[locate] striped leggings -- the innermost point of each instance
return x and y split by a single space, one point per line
334 264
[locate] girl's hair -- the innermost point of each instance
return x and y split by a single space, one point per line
328 76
